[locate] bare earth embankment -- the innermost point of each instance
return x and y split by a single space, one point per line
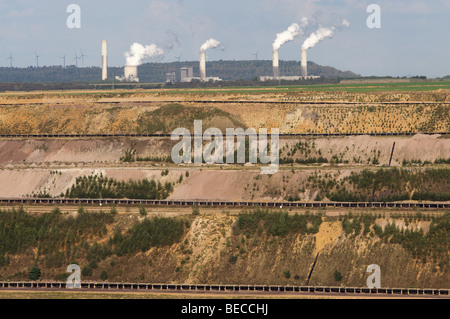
238 246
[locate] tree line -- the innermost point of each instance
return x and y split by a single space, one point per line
156 72
276 223
98 186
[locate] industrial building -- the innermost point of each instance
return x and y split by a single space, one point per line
130 74
187 73
171 77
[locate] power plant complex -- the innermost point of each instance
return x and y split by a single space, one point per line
139 52
276 69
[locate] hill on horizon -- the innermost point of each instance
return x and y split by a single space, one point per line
156 72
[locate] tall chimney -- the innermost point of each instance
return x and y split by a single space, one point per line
203 65
104 60
276 64
304 63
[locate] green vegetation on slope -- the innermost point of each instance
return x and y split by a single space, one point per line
382 185
56 237
276 223
434 245
395 184
157 232
172 116
57 240
95 186
255 247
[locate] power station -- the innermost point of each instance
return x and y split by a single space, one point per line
187 73
276 69
139 52
130 74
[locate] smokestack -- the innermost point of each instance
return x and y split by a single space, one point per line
276 64
104 60
203 65
304 63
209 44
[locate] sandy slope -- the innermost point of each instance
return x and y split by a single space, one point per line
109 150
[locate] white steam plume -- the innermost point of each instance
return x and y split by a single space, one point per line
316 37
138 53
321 34
345 23
290 34
210 44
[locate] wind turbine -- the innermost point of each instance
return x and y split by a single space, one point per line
82 57
178 58
76 59
11 59
64 60
256 55
37 59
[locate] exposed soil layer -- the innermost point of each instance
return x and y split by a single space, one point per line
110 150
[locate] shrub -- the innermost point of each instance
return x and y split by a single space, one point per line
142 211
195 210
232 259
34 274
104 275
337 276
113 210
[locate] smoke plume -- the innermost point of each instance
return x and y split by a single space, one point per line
345 23
316 37
171 40
321 34
138 53
210 44
290 34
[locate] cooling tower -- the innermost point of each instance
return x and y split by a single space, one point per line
203 65
131 72
276 63
304 63
104 60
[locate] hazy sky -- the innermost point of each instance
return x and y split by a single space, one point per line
414 38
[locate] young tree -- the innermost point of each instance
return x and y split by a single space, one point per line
104 275
337 276
142 211
113 210
34 274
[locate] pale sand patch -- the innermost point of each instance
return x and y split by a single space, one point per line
328 233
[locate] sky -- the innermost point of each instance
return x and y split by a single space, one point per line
413 38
